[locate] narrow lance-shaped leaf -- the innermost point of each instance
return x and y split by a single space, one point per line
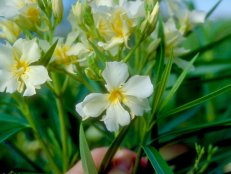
212 9
7 129
160 51
45 59
112 150
158 163
207 47
87 161
178 83
197 101
171 136
162 85
13 119
10 125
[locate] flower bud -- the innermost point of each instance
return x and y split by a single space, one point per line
84 17
148 26
149 4
57 8
10 30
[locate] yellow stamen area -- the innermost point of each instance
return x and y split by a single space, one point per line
20 68
61 56
33 14
121 24
104 28
116 95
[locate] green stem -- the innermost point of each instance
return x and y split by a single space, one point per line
25 110
132 51
58 99
137 162
63 132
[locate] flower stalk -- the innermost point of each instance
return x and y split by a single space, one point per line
61 113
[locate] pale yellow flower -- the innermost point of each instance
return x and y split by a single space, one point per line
16 71
122 93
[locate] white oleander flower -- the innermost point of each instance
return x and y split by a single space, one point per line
12 8
122 93
173 42
16 71
116 21
68 53
26 13
187 19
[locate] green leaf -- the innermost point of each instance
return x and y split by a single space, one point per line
212 9
8 129
207 47
178 83
197 101
87 161
162 85
45 59
112 150
171 136
10 125
173 123
158 163
160 51
12 119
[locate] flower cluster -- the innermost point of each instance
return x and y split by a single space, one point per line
101 30
103 65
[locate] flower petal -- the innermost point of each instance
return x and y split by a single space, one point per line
138 86
30 90
79 110
29 49
94 104
36 76
115 74
6 57
7 82
136 105
116 115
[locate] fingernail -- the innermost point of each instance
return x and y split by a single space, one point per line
124 165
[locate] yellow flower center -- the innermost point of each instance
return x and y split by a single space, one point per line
104 28
116 95
61 56
33 14
121 24
20 68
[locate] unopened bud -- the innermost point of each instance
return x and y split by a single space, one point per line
149 4
9 30
148 26
57 8
84 17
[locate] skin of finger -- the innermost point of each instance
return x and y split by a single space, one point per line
122 162
97 155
